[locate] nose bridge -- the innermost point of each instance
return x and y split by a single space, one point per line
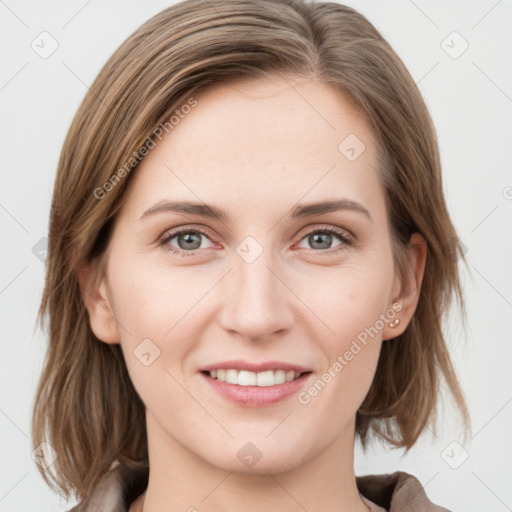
256 281
257 305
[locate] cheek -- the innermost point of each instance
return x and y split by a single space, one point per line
346 300
151 312
151 299
349 304
351 347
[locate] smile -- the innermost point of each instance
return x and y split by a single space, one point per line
271 390
247 378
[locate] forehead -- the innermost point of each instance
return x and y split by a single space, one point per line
280 138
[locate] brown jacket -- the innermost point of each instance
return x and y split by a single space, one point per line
392 492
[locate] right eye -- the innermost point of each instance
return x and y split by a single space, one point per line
188 240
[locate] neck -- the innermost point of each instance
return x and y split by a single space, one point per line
179 480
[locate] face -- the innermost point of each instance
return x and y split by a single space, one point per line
264 283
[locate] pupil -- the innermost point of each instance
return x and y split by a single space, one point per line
317 236
189 239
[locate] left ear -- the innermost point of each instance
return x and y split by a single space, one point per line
407 293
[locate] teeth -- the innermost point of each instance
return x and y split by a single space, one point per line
245 378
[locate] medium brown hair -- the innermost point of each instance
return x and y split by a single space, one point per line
86 407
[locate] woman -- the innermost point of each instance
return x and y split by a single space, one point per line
205 352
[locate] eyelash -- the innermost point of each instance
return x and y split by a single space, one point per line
345 238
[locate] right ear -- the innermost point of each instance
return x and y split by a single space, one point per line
94 294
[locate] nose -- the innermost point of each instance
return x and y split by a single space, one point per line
258 302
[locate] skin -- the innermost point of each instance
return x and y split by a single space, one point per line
255 148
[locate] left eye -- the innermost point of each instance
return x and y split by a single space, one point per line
322 238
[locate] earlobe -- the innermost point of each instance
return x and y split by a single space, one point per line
95 297
395 324
405 305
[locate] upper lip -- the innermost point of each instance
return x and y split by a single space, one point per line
239 364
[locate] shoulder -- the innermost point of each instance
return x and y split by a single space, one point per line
117 489
107 497
397 491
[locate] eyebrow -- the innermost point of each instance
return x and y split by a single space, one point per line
216 213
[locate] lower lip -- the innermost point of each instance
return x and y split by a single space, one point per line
256 396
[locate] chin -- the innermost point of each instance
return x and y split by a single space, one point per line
244 456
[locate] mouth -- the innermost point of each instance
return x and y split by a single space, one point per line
247 378
250 389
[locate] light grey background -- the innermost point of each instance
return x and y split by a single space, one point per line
470 98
